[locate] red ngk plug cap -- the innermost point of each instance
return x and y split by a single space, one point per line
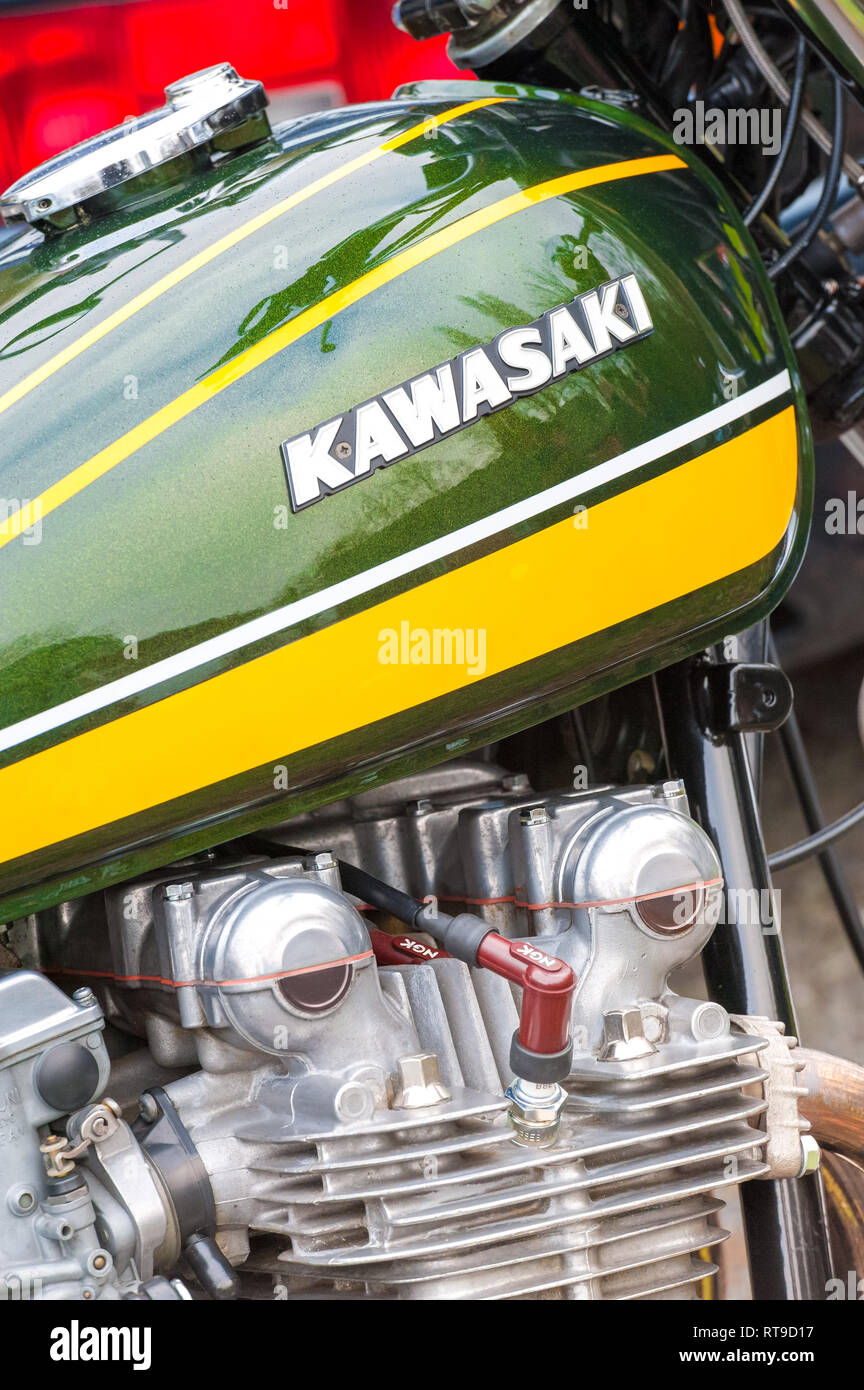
400 950
547 985
541 1050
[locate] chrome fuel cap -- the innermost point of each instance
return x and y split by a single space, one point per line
199 109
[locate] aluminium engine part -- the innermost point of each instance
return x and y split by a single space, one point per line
343 1125
791 1150
52 1059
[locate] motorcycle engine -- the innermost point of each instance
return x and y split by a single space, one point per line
303 1100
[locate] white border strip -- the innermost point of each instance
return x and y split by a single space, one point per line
248 633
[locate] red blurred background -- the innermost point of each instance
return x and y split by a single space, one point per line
70 71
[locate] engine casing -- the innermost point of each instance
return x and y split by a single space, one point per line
348 1118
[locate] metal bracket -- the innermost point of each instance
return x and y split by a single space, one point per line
742 697
118 1162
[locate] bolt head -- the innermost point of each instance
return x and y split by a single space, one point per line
147 1108
179 892
419 1082
323 859
811 1155
624 1036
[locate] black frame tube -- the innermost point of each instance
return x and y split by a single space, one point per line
785 1221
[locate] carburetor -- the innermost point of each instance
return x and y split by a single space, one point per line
53 1059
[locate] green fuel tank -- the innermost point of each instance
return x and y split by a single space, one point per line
333 451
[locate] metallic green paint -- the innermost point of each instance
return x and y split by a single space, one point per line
190 536
839 26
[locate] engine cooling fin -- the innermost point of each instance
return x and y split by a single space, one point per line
442 1205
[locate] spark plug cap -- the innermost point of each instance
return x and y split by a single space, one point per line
541 1067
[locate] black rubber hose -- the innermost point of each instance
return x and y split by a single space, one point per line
793 111
832 870
829 188
814 844
379 894
366 887
461 936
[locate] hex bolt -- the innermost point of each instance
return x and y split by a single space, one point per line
322 860
811 1155
624 1036
84 996
419 1083
178 892
534 815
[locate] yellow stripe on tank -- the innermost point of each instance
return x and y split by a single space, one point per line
225 243
689 527
312 318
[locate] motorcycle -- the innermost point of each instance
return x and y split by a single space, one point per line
395 502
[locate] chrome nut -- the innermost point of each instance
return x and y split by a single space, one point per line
535 1111
419 1083
624 1036
811 1155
